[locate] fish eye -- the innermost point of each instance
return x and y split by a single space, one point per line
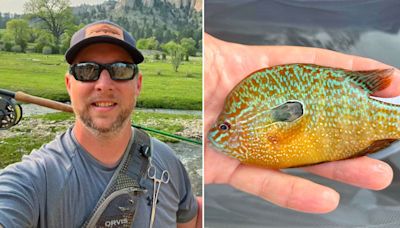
224 126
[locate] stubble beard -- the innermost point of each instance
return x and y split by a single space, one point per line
122 118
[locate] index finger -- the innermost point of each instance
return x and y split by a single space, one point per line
233 62
284 190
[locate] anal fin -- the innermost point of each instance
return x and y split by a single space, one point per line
375 147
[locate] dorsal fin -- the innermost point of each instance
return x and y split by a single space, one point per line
373 80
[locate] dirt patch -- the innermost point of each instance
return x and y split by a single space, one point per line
36 127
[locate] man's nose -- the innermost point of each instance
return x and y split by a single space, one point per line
104 83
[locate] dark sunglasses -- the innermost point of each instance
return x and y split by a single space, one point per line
90 71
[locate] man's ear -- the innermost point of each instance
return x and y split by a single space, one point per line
139 84
68 82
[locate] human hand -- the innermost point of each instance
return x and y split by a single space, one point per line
226 64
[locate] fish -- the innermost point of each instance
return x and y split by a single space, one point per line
298 115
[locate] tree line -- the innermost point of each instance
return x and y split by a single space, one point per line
48 25
161 20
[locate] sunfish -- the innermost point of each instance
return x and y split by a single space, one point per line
298 114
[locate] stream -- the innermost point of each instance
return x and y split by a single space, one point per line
32 109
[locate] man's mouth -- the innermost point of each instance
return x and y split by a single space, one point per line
104 104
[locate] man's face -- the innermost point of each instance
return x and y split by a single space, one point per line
105 105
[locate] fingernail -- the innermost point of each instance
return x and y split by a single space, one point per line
331 201
381 168
330 195
383 177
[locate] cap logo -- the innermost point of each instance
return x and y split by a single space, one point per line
104 30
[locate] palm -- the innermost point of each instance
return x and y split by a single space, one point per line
226 65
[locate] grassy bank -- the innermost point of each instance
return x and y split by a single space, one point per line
43 75
32 132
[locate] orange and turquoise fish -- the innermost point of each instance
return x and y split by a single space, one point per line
296 115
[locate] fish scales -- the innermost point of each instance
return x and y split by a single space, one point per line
338 120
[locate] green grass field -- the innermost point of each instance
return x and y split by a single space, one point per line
43 75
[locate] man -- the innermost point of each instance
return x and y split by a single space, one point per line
98 172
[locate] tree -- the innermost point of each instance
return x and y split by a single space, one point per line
150 43
56 15
141 43
43 40
34 33
189 46
200 45
67 35
18 30
176 52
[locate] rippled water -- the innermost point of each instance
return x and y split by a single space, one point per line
367 28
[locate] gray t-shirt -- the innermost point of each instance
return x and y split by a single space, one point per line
60 184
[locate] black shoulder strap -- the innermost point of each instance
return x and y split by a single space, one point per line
118 203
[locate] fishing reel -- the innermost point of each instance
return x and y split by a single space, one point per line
10 112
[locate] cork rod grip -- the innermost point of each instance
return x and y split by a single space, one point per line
23 97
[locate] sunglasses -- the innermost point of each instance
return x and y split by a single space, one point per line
90 71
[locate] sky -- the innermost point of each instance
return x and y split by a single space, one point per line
17 6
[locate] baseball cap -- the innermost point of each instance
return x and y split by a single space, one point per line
103 32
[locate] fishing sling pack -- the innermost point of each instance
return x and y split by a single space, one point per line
117 205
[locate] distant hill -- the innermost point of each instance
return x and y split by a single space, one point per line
196 4
164 19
